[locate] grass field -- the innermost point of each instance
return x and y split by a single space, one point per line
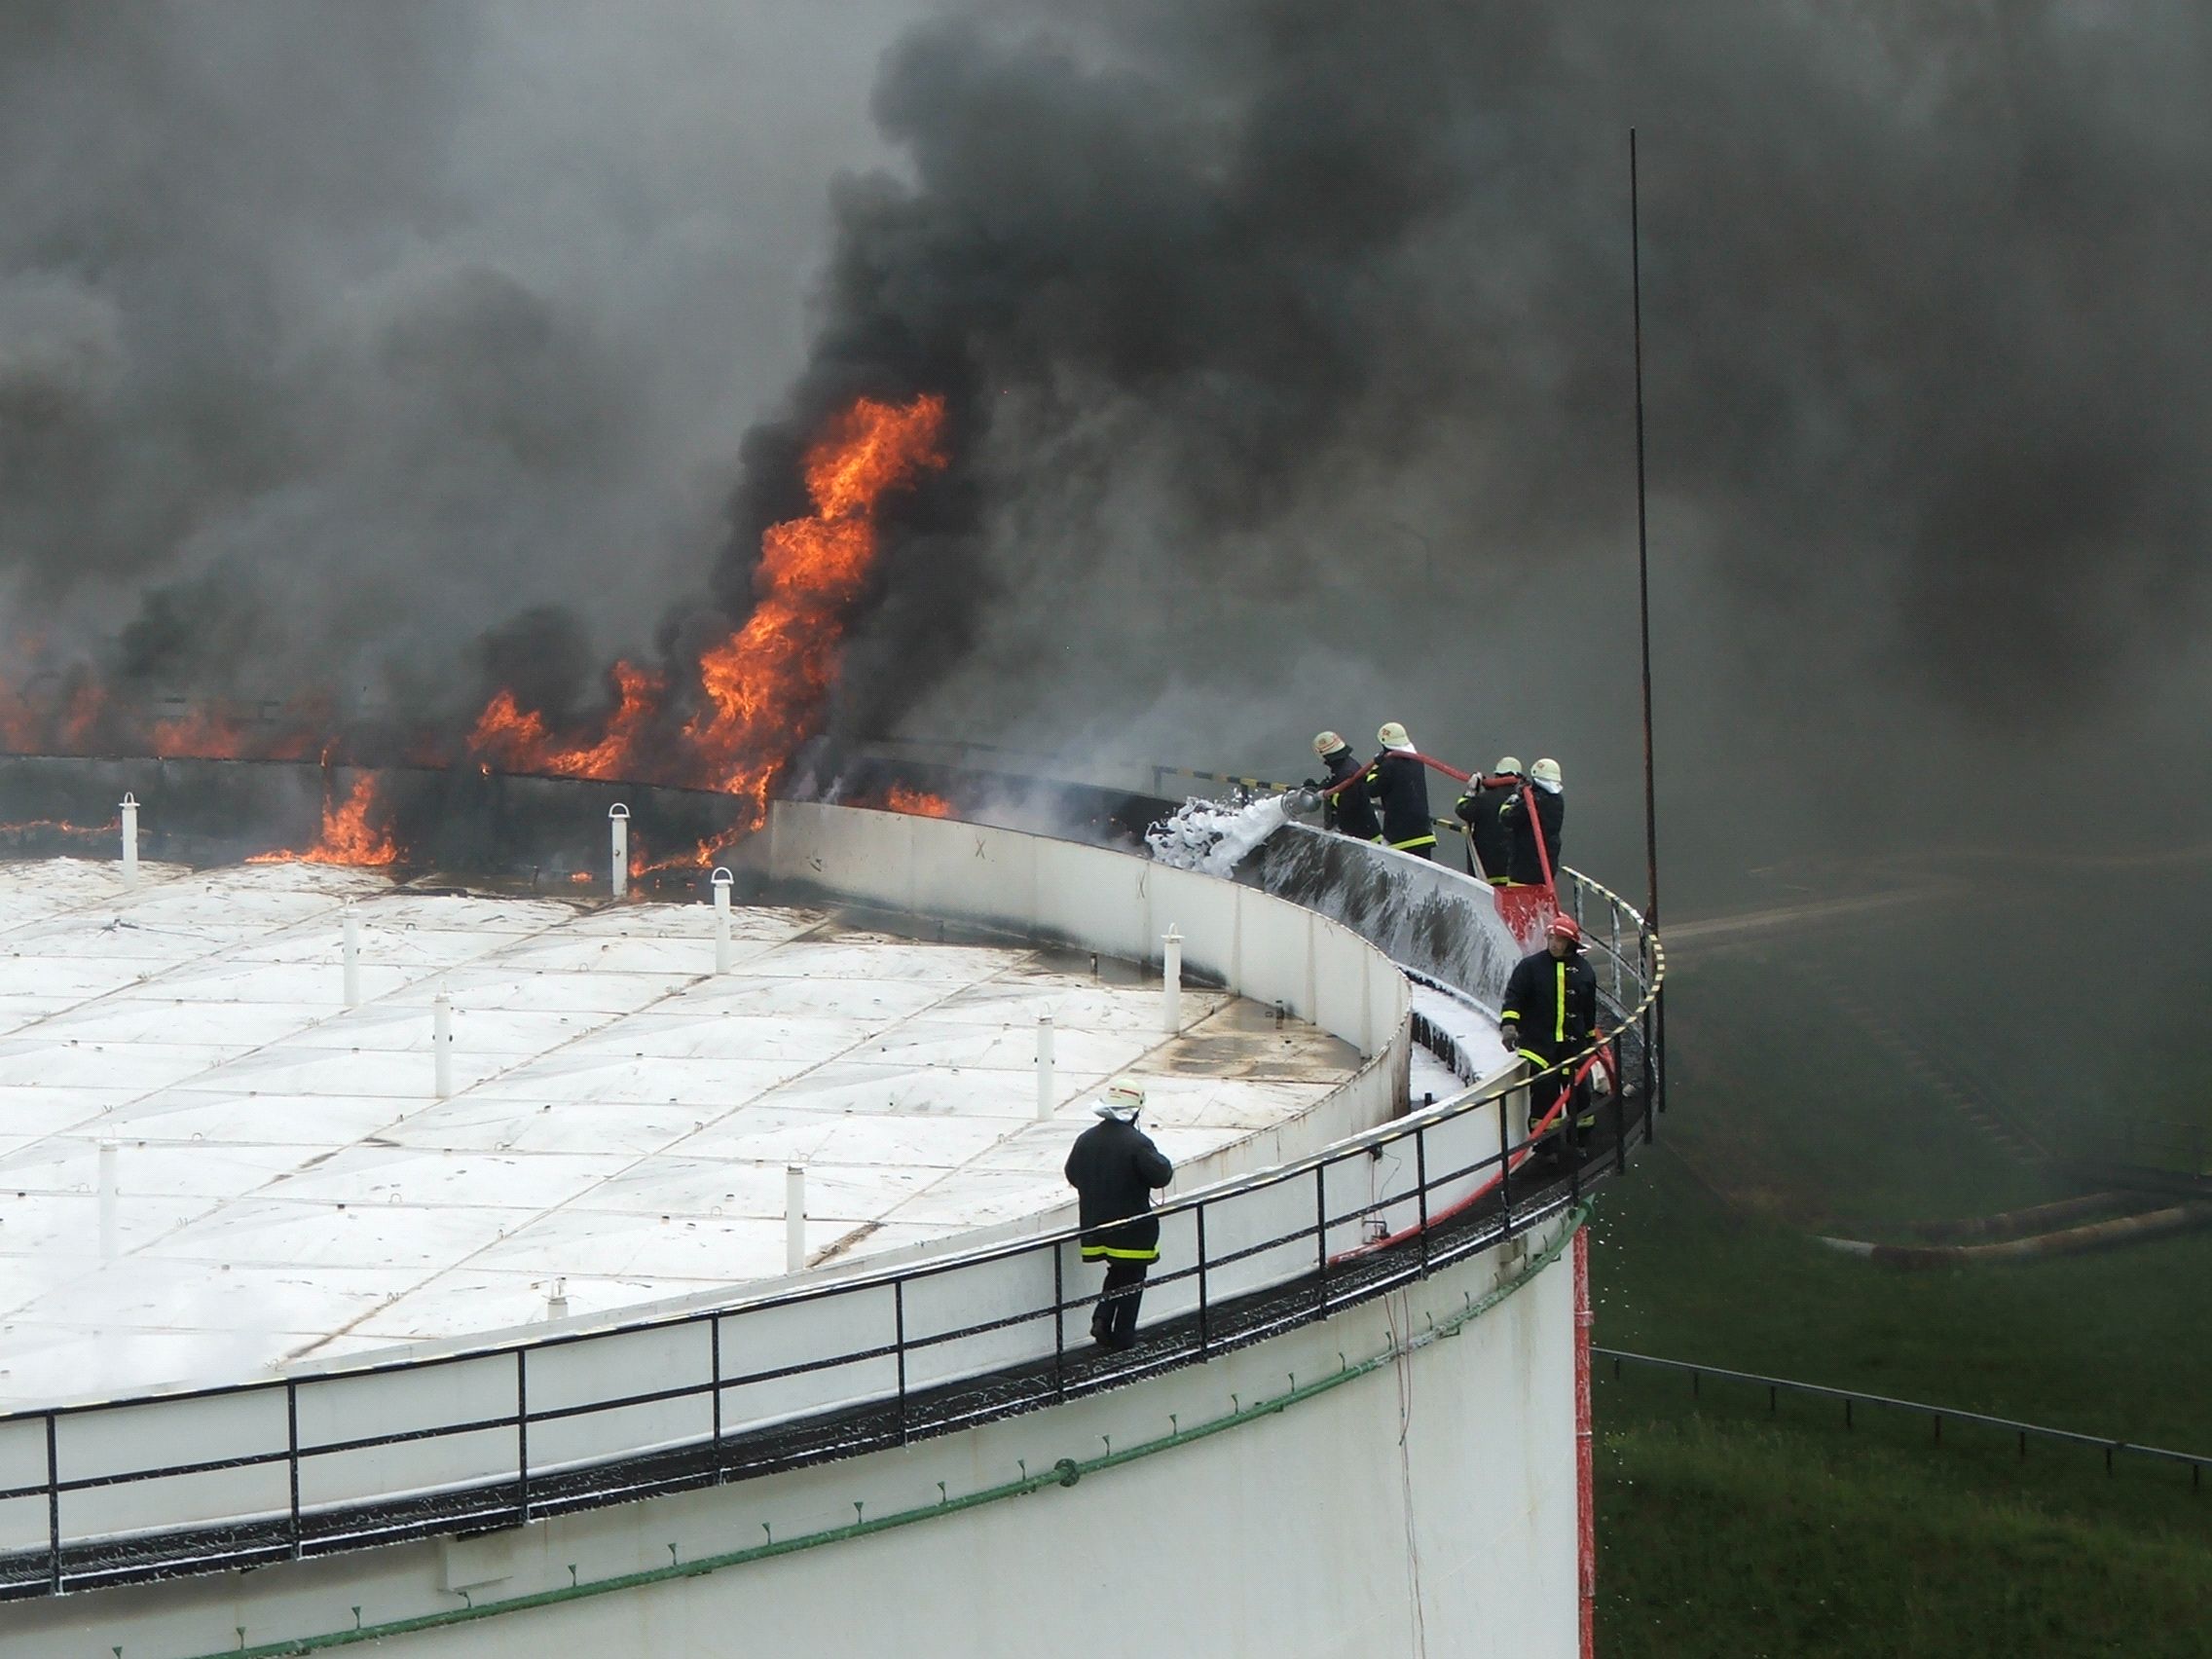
1729 1536
1846 1084
2115 1343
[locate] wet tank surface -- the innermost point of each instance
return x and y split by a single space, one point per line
284 1181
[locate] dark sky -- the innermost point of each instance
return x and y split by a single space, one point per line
1290 346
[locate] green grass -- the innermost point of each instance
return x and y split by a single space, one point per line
1725 1531
1733 1537
2116 1344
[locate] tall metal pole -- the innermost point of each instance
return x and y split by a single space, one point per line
1643 546
1657 1062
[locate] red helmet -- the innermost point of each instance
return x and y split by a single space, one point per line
1563 926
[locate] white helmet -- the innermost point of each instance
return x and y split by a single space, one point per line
1393 736
1507 767
1123 1101
1327 743
1546 772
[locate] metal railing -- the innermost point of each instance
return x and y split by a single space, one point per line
503 1433
1852 1399
902 1372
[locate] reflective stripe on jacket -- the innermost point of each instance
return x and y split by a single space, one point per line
1524 869
1350 811
1487 835
1401 782
1113 1167
1554 1001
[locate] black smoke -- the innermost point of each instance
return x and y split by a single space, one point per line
332 335
1931 380
1286 344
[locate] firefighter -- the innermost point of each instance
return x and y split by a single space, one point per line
1524 867
1350 811
1490 845
1551 1015
1113 1167
1399 777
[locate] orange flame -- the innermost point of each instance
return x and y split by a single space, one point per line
202 735
59 826
509 734
516 739
19 724
86 706
347 837
79 717
641 696
758 694
768 683
920 803
763 689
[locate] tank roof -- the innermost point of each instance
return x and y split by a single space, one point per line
290 1188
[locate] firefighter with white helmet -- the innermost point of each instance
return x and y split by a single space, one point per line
1114 1167
1490 844
1545 793
1399 779
1350 810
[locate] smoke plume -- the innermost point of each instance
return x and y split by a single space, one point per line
1284 343
333 335
1256 295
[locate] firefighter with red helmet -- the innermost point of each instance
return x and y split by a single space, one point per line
1550 1016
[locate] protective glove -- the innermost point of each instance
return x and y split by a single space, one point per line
1510 1035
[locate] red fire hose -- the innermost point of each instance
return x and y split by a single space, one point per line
1526 910
1536 829
1429 760
1603 1054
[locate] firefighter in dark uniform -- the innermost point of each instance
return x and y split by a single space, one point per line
1350 811
1524 867
1399 778
1551 1015
1490 844
1113 1167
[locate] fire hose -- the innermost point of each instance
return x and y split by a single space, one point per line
1600 1055
1429 760
1527 802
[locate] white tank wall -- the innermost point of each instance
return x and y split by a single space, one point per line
1282 1536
